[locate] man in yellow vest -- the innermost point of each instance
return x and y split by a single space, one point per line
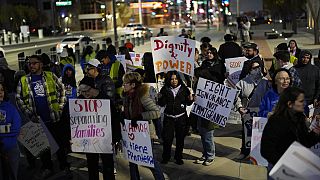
40 96
112 67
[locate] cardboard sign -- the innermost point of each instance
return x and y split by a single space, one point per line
255 156
214 101
234 67
247 119
298 162
90 121
173 53
137 143
33 137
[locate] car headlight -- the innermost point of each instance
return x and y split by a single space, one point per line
173 23
178 23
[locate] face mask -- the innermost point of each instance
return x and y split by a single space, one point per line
256 72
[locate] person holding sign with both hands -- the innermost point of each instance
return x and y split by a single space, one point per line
175 96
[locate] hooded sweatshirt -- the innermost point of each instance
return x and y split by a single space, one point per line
9 115
310 77
69 82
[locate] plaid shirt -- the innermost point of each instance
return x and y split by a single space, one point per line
28 108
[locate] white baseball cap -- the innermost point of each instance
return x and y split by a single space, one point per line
64 54
94 62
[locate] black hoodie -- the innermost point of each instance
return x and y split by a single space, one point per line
310 77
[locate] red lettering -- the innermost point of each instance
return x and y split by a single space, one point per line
80 108
182 66
189 68
159 44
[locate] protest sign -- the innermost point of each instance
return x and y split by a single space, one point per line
255 156
214 101
90 121
33 137
137 143
122 59
137 60
173 53
316 149
247 120
234 67
298 162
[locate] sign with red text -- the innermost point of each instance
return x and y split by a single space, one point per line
173 53
214 101
257 128
234 67
136 143
90 121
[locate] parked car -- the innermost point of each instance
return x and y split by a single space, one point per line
132 26
71 42
145 32
47 31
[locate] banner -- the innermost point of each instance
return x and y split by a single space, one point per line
234 67
90 121
214 101
247 120
173 53
255 156
298 162
137 143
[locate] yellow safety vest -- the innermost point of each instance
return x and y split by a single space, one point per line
90 57
114 72
50 91
67 60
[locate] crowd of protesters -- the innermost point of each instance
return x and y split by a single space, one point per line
42 91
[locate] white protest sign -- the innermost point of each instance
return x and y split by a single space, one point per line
255 156
90 121
33 137
298 162
247 120
173 53
137 143
214 101
137 60
122 59
234 67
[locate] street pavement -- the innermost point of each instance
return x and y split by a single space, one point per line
227 140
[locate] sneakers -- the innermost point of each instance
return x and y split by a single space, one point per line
208 162
114 171
179 161
200 160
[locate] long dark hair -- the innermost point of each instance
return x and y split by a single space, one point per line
215 53
167 81
274 86
124 51
5 97
289 94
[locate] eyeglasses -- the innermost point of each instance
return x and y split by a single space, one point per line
33 63
284 79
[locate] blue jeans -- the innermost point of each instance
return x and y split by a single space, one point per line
207 141
156 171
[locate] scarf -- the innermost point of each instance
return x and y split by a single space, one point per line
133 107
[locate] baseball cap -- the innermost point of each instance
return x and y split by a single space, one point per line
94 62
86 83
64 53
251 45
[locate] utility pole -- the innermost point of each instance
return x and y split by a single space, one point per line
208 16
140 11
116 43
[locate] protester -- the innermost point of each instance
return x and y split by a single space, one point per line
310 77
196 59
283 61
68 79
88 54
111 48
124 51
112 67
252 53
49 65
183 34
138 106
41 97
205 40
286 125
229 49
147 62
244 26
212 69
161 33
251 91
129 45
293 48
175 97
65 59
204 52
10 123
191 35
7 77
280 81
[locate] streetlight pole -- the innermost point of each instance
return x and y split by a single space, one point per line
116 43
140 11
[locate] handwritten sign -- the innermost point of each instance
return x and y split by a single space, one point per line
234 67
137 143
33 137
255 156
90 121
247 120
173 53
214 101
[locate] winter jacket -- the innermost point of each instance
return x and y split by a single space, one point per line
174 105
296 81
281 131
229 50
246 66
105 85
69 83
268 102
310 78
9 115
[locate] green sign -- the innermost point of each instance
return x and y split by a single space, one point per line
63 3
